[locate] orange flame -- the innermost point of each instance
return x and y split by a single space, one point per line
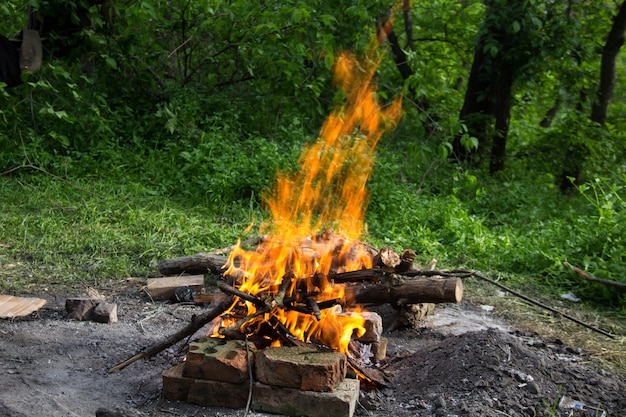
328 193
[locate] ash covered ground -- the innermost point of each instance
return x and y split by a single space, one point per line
461 362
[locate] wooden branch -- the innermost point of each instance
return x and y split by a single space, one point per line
538 304
372 274
591 278
285 335
284 286
197 322
374 376
237 326
243 295
315 308
312 307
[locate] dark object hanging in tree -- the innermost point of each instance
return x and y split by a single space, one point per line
9 62
17 55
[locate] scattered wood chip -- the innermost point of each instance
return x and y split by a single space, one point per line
11 306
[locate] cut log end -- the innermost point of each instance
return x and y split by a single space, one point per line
458 290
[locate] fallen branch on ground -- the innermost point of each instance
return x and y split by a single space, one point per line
591 278
197 322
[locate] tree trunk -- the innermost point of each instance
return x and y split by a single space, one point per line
502 112
614 42
550 114
476 111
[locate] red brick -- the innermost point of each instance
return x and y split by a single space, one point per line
218 394
302 368
176 387
218 360
340 402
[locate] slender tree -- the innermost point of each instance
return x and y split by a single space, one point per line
614 41
515 38
502 50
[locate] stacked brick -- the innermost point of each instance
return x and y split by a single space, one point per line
292 381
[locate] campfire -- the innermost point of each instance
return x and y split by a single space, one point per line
292 314
290 282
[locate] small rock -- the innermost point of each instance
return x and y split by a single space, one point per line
464 407
105 313
440 402
570 297
533 388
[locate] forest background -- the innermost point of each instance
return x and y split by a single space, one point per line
153 128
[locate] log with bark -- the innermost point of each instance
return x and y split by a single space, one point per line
200 263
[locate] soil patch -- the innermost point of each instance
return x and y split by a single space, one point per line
463 362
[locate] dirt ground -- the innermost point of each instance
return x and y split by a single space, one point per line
461 362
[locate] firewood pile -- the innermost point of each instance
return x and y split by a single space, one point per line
393 278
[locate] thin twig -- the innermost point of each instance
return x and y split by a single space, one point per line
243 295
196 323
237 326
179 46
537 303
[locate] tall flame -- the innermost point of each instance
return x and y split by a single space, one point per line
327 194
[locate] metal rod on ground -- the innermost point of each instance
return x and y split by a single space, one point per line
537 303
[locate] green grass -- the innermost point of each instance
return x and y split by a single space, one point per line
86 230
